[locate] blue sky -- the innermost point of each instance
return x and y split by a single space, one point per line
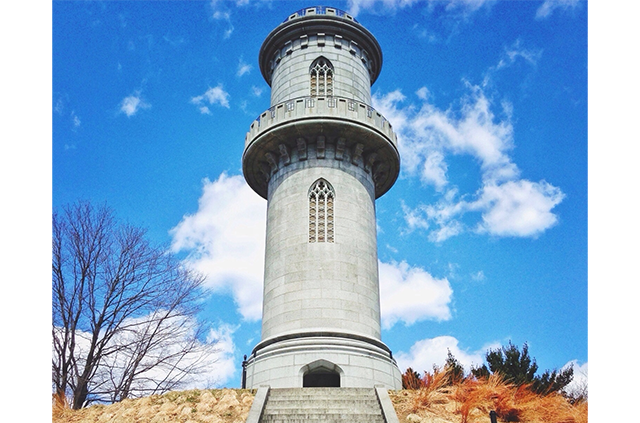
483 238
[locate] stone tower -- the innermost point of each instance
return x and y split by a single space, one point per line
321 155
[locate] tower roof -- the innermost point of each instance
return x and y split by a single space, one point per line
320 19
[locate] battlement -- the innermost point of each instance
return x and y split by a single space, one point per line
322 28
320 10
319 107
349 130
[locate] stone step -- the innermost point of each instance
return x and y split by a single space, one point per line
320 392
323 401
324 418
321 410
322 405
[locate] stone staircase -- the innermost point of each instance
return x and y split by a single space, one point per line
322 405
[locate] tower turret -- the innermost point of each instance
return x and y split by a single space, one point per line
321 155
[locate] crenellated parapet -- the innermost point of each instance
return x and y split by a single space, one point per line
329 128
321 27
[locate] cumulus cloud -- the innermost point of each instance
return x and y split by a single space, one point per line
224 239
426 353
410 294
216 95
503 204
580 383
131 104
220 372
212 358
549 6
518 208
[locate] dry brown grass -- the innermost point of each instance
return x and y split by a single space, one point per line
470 401
195 406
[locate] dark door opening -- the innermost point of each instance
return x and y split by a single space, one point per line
321 378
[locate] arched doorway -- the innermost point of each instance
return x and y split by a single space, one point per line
321 374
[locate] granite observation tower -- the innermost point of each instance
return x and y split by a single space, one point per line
321 156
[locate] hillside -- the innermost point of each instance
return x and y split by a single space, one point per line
194 406
467 402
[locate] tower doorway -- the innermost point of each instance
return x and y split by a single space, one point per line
321 379
321 374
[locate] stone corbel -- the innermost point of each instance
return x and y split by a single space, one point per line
284 154
271 159
357 153
302 149
340 149
320 147
379 172
265 171
369 161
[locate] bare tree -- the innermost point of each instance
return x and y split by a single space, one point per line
124 311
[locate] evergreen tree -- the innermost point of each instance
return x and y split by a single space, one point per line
453 369
411 379
519 368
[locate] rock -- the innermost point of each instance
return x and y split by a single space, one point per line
413 418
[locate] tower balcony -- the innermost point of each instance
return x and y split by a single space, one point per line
285 129
319 107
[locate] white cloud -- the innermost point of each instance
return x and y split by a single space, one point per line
503 204
213 356
516 51
413 218
549 6
462 7
512 54
243 68
478 276
465 6
580 382
426 353
435 170
130 105
519 208
410 294
225 241
75 120
220 13
215 95
256 91
224 368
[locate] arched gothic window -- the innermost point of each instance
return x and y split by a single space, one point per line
321 72
321 198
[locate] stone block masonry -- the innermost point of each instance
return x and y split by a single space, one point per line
321 155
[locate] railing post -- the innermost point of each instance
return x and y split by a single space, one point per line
244 372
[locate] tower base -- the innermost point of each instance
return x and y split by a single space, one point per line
322 359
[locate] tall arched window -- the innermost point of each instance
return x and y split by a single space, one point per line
321 198
321 72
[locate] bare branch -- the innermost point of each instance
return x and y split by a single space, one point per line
124 311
